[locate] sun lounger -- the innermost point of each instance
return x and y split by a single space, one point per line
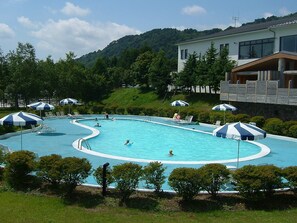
218 123
187 120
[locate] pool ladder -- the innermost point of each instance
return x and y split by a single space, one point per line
80 143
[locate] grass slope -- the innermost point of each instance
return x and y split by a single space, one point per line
125 97
21 207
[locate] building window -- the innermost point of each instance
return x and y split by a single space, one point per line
256 48
288 43
184 54
222 46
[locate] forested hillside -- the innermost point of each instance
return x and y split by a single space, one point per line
157 39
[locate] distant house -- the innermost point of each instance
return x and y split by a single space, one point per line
266 59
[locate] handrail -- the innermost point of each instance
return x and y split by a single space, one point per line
80 142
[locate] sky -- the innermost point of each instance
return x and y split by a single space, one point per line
56 27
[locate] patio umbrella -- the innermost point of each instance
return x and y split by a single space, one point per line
68 101
224 107
41 106
239 131
20 119
179 103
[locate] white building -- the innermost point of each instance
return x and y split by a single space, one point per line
266 58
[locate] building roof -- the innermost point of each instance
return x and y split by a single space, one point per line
249 28
266 63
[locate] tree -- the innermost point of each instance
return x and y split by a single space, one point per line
23 75
185 181
187 77
290 173
126 177
213 176
210 56
153 174
159 72
50 169
71 74
141 68
221 66
74 172
48 76
19 165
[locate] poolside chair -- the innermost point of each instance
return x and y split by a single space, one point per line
188 120
218 123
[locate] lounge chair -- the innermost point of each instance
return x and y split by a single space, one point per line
187 120
218 123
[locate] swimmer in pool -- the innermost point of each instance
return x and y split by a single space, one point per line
170 152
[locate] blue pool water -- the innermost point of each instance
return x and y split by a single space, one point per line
283 150
153 141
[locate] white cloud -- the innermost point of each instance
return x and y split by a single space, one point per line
6 32
74 10
79 36
193 10
267 14
284 11
26 22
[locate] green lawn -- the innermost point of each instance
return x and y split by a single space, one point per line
28 208
125 97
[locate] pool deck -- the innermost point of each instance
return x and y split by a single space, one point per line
283 150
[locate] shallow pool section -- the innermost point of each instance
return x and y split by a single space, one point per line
150 141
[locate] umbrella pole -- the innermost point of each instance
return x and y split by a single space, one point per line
224 117
21 138
238 154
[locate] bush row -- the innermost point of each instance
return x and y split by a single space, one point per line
252 182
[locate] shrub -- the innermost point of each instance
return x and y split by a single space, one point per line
242 118
259 120
50 169
213 176
253 182
98 174
74 172
286 126
185 181
19 165
290 173
204 117
153 174
215 116
120 111
126 177
293 131
273 126
97 109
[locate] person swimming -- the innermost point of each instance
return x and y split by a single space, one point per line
128 143
170 152
97 125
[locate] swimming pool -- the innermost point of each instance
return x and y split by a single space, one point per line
283 150
151 141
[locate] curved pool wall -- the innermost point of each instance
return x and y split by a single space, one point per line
264 150
283 149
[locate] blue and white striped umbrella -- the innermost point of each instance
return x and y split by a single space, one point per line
68 101
41 106
179 103
239 131
21 119
224 107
